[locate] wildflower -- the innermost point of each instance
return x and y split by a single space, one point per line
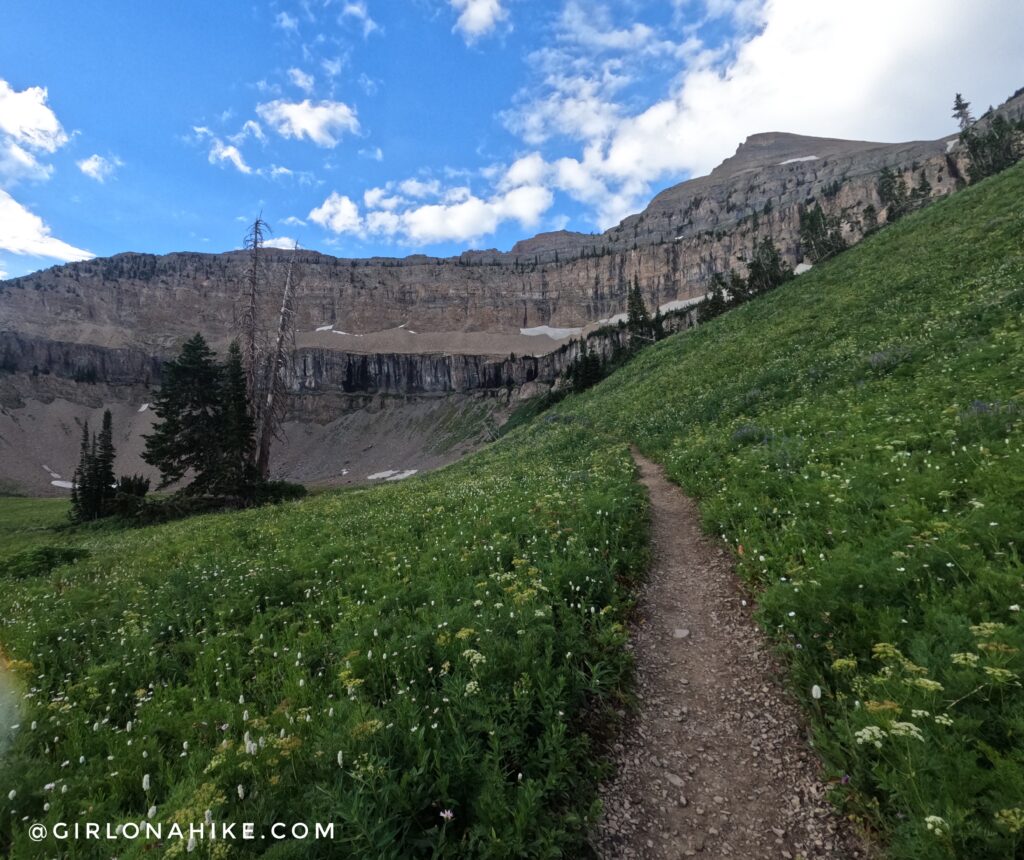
1012 819
475 657
145 782
936 825
341 758
815 692
472 688
844 664
191 846
943 719
905 730
1015 607
447 814
12 794
1000 676
241 792
871 735
152 812
962 658
986 628
926 684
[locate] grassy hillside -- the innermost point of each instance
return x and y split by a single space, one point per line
857 437
378 658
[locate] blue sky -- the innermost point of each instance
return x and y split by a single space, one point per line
362 127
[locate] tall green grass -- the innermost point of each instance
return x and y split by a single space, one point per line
372 659
856 436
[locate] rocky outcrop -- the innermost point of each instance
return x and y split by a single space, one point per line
687 233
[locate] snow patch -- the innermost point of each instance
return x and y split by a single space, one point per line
392 475
327 327
951 145
679 304
339 332
64 485
802 158
50 472
144 407
802 267
556 333
615 320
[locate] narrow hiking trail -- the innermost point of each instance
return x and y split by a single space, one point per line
717 763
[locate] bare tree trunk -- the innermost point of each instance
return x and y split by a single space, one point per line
250 319
273 408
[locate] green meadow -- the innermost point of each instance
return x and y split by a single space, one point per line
438 666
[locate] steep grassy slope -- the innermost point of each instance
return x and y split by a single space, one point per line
378 658
857 437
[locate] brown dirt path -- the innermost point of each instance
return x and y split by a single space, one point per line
717 763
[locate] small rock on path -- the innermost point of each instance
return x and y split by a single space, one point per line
716 763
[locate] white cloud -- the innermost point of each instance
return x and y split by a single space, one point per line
26 118
338 213
283 243
302 80
221 152
375 153
420 188
332 66
99 168
790 68
23 232
28 128
322 122
17 163
292 221
357 9
284 21
456 215
250 128
477 18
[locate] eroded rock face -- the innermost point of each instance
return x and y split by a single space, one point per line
564 279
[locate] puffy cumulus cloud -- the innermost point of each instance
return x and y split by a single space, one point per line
303 80
477 18
28 129
23 232
322 122
284 243
357 10
453 214
27 119
875 70
338 213
99 168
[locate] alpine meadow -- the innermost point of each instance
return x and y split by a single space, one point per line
454 644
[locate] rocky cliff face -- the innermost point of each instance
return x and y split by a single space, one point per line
686 234
114 320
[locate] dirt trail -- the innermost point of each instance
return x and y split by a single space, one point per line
717 763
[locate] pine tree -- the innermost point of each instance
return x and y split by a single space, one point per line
962 112
869 219
638 321
237 474
766 270
104 464
186 437
79 488
715 303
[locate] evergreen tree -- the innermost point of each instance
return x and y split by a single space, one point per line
869 219
715 303
766 270
104 463
658 326
237 472
820 235
994 149
638 321
892 191
186 437
79 488
962 112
